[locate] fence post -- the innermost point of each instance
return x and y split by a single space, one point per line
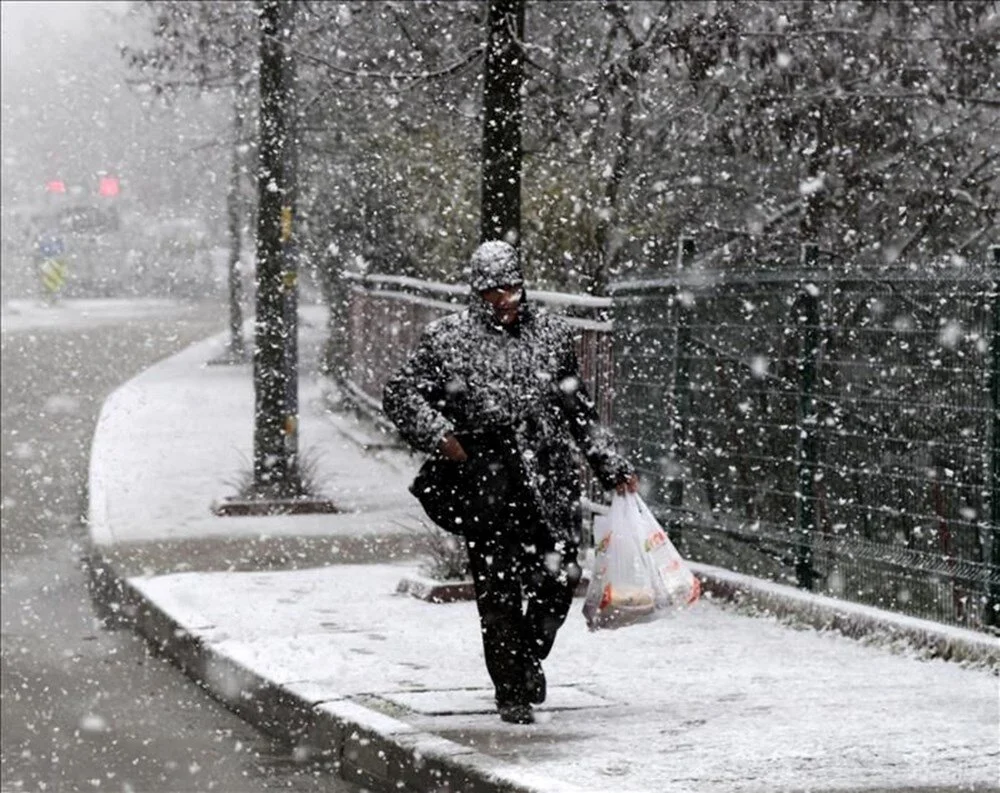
680 390
806 449
992 613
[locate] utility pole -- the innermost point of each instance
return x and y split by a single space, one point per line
276 465
500 213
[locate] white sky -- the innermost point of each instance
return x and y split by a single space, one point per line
41 38
69 113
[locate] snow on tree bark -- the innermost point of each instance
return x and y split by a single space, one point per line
276 469
503 78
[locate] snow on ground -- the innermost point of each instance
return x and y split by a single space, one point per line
21 315
179 437
706 699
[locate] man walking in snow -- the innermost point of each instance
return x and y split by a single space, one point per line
494 395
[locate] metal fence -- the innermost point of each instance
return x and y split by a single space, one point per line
386 315
830 427
834 427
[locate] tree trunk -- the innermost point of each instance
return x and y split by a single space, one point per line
503 78
607 247
237 349
276 468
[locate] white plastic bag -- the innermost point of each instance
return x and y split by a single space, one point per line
638 574
676 584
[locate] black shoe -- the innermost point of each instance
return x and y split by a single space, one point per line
516 714
535 684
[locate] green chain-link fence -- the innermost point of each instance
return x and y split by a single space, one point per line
832 425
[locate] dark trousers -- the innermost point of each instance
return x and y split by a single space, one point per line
512 562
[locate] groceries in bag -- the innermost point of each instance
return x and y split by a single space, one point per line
638 574
677 584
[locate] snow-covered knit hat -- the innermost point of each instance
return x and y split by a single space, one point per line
495 264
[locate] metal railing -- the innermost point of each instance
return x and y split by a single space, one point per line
386 315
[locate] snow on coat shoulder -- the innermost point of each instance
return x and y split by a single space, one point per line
470 375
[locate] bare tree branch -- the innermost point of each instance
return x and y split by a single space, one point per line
445 71
214 82
977 235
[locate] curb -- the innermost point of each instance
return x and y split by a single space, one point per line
926 638
434 591
365 746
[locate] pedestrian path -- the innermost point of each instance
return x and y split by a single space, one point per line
312 643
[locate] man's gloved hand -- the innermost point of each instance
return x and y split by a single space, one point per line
452 449
630 485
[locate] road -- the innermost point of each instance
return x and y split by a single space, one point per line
85 706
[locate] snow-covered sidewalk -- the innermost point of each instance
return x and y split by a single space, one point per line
707 700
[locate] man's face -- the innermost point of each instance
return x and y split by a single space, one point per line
505 301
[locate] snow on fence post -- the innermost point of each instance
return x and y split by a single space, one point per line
806 316
680 386
991 615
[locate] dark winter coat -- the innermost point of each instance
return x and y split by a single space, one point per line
514 398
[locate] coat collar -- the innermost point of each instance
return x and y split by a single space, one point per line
482 315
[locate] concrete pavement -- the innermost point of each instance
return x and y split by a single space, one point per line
295 622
